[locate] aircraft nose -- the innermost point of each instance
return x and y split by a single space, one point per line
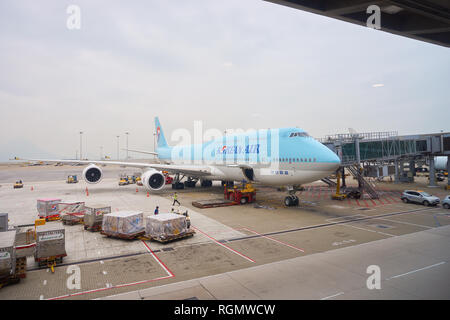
333 161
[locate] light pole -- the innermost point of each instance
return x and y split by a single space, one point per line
117 147
81 145
127 133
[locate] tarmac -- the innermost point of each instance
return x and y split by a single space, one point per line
318 250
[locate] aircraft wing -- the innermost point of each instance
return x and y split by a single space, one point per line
192 170
141 151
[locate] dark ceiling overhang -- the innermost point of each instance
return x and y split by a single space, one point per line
425 20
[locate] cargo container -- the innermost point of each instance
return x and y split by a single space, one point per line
123 224
166 226
25 242
48 208
7 254
71 212
50 242
93 216
3 222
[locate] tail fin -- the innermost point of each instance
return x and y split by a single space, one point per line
160 139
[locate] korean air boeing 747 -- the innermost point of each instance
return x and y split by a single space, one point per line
286 157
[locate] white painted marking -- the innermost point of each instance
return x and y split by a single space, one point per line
41 297
101 262
334 295
45 282
105 273
412 224
424 268
386 234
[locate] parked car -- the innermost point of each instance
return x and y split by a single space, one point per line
419 197
446 202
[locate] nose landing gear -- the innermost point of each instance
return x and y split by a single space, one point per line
292 200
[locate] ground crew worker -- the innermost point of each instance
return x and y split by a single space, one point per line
156 210
175 197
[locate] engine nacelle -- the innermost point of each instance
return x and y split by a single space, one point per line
153 180
92 174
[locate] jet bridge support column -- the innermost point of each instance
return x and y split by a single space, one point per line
448 171
432 172
343 177
396 175
412 168
358 159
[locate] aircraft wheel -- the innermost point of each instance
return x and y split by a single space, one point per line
288 201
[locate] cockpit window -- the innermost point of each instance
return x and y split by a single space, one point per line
298 134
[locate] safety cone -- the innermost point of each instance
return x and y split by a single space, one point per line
87 192
148 194
32 188
137 189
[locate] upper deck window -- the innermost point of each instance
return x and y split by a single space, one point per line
298 134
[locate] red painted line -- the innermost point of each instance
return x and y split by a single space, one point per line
225 246
365 202
349 202
358 202
108 288
381 201
385 198
160 262
171 275
281 242
374 203
393 200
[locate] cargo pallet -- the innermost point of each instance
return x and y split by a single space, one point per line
73 221
186 234
5 281
20 273
123 236
93 229
203 204
50 261
21 267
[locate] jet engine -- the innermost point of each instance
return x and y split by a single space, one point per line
153 180
92 174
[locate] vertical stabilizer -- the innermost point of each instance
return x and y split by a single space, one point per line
160 138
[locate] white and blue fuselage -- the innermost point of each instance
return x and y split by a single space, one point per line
287 156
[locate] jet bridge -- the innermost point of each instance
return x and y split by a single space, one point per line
374 150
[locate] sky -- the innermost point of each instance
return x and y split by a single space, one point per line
231 64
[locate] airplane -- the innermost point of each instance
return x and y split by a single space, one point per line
286 157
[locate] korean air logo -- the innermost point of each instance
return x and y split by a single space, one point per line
158 131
